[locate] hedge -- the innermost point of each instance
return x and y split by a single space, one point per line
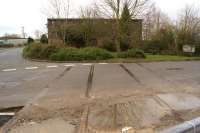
63 53
132 53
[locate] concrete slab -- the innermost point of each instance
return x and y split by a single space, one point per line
67 90
180 102
17 88
72 82
49 126
110 80
152 81
135 113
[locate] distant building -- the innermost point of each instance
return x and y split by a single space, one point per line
13 41
105 29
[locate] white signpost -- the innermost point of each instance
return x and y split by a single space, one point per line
189 49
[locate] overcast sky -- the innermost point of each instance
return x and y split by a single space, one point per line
28 13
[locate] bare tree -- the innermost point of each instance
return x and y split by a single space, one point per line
89 13
188 26
153 20
57 9
114 8
190 19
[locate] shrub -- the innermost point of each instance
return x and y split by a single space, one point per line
30 40
73 36
154 47
67 54
32 51
37 50
91 53
124 44
132 53
48 50
140 53
44 39
109 45
74 54
60 55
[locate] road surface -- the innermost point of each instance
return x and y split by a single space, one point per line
97 97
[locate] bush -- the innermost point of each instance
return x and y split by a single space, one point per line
44 39
109 45
48 50
32 51
91 53
74 36
40 51
132 53
58 53
30 40
67 54
74 54
124 44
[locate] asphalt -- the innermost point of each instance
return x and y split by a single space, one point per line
77 97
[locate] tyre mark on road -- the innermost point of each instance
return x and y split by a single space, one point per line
89 82
83 126
130 73
156 74
152 71
46 89
63 73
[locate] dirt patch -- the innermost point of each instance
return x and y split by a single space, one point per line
143 113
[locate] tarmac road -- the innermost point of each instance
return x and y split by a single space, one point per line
98 97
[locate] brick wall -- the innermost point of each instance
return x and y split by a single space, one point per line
104 29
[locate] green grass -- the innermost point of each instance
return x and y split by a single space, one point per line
169 58
153 58
91 54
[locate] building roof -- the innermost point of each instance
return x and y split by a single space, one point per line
74 19
6 38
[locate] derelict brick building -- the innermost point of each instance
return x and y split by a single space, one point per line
104 29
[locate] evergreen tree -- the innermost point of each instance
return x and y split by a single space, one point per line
30 40
125 19
124 28
44 39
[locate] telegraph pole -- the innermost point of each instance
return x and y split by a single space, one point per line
23 32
